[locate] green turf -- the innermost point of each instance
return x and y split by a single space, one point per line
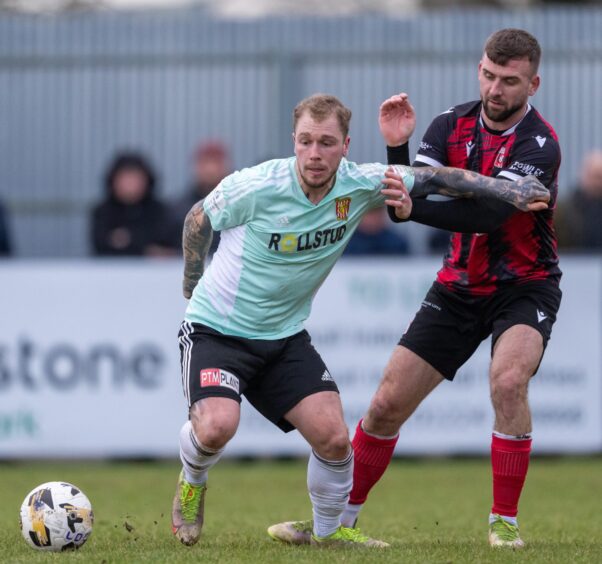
431 511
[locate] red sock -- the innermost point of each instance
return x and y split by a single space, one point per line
371 456
510 462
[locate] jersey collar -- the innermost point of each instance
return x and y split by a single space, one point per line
509 131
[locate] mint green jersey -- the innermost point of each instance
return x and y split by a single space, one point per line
277 247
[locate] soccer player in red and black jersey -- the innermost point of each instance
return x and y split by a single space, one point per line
500 276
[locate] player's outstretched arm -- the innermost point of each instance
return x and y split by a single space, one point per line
527 194
397 120
196 240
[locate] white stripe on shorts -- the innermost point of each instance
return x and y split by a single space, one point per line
186 344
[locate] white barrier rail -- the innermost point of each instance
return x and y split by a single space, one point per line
89 361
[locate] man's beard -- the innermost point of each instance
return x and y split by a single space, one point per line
500 115
314 186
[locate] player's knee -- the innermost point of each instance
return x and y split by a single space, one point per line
383 415
508 386
214 430
333 446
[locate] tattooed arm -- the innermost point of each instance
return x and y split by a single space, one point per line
527 194
196 240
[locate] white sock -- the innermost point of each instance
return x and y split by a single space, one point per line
512 437
350 514
196 458
329 483
511 520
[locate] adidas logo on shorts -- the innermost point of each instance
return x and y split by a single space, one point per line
326 377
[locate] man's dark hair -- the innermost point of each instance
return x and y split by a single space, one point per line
130 160
509 44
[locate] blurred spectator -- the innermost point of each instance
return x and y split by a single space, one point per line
374 236
5 244
579 217
211 163
130 221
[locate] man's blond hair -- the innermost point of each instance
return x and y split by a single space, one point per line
321 107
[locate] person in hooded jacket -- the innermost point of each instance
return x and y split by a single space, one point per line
131 220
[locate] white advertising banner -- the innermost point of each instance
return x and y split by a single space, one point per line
364 308
89 362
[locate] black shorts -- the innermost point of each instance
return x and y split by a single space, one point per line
274 375
449 327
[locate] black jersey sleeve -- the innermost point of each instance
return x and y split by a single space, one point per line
398 155
463 215
538 155
433 147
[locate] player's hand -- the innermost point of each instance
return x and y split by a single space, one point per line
189 284
531 195
397 194
397 120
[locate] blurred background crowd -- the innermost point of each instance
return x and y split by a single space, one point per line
116 120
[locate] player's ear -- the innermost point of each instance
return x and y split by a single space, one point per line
346 146
534 84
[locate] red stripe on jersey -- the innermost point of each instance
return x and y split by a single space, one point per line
524 247
448 276
460 142
468 264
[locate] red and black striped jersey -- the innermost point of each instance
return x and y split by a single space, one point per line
524 247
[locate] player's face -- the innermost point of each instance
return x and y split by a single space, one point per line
319 147
505 90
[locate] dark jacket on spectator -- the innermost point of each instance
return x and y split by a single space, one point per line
125 229
5 244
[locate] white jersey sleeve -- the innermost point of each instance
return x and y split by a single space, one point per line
232 202
373 174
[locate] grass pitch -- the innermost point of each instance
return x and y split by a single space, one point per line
431 511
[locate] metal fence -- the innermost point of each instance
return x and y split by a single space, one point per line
76 88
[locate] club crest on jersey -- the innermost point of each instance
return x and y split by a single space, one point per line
219 377
342 208
500 158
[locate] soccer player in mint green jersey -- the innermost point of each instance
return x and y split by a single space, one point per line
283 225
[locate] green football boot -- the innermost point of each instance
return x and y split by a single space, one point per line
292 532
503 533
188 511
347 537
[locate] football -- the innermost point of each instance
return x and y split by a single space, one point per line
56 516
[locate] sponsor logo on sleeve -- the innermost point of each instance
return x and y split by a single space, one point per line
215 201
424 146
342 208
218 377
526 168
